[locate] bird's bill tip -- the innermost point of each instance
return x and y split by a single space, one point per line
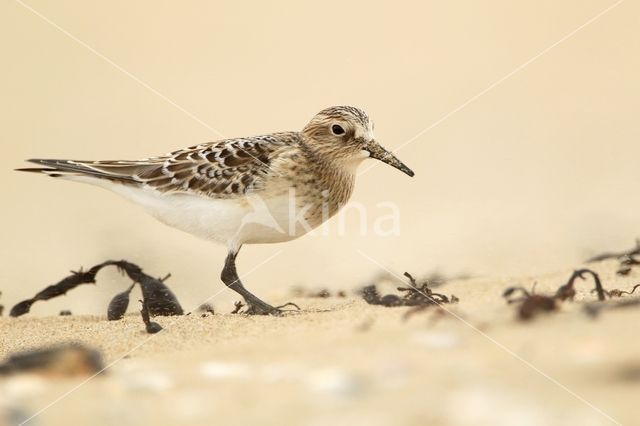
408 171
379 153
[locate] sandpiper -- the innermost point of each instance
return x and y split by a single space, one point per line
261 189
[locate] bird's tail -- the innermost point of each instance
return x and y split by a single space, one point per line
119 171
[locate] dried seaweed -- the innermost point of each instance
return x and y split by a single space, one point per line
65 313
159 299
371 296
530 303
151 326
628 259
422 293
119 304
58 289
322 293
615 292
238 305
613 255
568 291
413 295
627 263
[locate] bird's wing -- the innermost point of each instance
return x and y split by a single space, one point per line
223 169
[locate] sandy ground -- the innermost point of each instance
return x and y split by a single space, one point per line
341 361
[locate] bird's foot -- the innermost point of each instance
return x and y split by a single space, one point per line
258 307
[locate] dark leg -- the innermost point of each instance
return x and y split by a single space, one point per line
230 277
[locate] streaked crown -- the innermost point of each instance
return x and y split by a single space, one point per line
339 131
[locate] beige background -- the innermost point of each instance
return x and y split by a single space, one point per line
535 174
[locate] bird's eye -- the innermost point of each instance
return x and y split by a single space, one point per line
337 129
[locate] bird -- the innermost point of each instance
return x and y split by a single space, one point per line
250 190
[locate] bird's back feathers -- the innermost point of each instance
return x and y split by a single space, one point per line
223 169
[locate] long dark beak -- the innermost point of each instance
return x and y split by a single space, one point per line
379 153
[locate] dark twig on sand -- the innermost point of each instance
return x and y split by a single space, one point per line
530 303
615 292
568 292
416 295
421 292
58 289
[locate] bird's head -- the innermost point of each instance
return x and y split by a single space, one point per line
345 134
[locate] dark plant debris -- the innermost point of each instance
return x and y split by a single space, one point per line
160 300
157 296
613 255
1 307
422 293
58 289
614 293
151 326
568 292
119 304
322 293
66 360
65 313
413 295
238 305
626 265
530 304
628 259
